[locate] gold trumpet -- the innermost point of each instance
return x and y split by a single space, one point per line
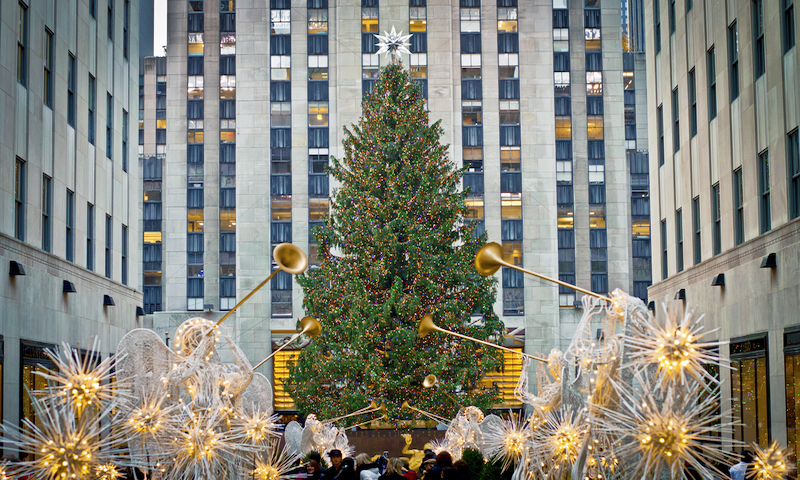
372 407
490 258
382 417
430 415
289 258
431 381
308 325
427 326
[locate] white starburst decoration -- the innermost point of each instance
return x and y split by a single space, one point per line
393 44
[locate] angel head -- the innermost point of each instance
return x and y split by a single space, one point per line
191 333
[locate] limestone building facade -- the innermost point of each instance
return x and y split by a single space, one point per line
723 111
539 99
69 185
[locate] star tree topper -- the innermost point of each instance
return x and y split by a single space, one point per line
393 43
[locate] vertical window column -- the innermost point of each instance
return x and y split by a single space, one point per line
47 213
793 162
20 198
370 63
764 209
89 236
472 109
716 216
564 180
738 206
47 57
195 245
418 26
227 157
281 146
69 237
109 246
750 390
698 253
679 240
318 123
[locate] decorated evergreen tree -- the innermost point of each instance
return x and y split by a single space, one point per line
395 247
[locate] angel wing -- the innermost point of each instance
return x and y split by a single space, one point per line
144 364
257 397
293 436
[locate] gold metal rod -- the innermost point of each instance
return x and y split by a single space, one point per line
493 345
363 411
291 340
248 296
563 284
430 415
363 423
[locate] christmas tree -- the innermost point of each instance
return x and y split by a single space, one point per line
394 248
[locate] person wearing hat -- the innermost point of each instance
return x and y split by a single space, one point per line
427 466
336 464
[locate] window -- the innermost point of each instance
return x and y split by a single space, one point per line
70 225
712 84
470 20
671 17
72 81
47 57
759 60
89 236
47 213
564 172
793 161
679 240
566 216
111 20
664 249
750 390
509 159
676 131
597 174
717 216
20 194
195 44
592 38
124 141
93 8
657 23
318 114
689 4
733 61
698 256
471 113
597 215
788 25
511 206
660 128
92 107
595 127
474 208
109 240
507 20
738 206
563 127
227 5
561 81
765 223
318 21
124 249
692 104
594 83
227 43
109 126
561 39
194 218
369 20
281 208
281 68
22 44
791 351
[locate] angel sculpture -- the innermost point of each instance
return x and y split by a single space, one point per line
317 436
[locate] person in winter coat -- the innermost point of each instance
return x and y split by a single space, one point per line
444 462
366 468
394 470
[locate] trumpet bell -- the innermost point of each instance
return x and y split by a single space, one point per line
489 259
405 406
310 325
430 381
290 258
426 326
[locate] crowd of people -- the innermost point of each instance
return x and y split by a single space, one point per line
364 467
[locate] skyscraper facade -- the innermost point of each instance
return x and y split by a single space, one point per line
536 99
723 95
69 190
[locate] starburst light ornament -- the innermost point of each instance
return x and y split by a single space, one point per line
770 463
5 470
107 471
393 44
508 440
273 463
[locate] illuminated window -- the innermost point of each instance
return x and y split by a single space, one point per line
509 159
227 43
511 205
282 208
318 114
152 237
195 83
195 217
195 44
566 216
33 360
418 19
564 171
228 136
473 158
474 208
561 81
791 350
505 379
640 228
317 209
317 21
750 391
227 220
369 19
592 36
471 113
281 22
227 86
195 136
281 67
597 216
280 373
595 127
317 67
594 83
563 127
507 20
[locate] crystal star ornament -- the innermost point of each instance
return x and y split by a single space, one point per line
393 43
